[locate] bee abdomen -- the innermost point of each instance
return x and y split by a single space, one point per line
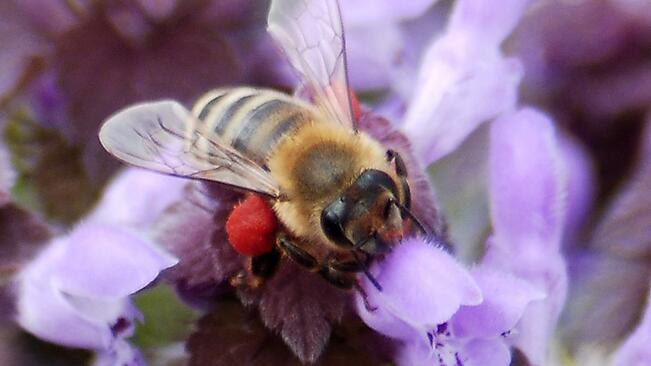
251 120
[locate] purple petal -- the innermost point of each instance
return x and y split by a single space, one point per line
580 186
476 352
75 292
485 24
485 352
19 44
53 17
625 228
437 287
158 9
122 354
608 295
365 12
546 272
43 310
105 262
505 300
415 353
635 350
136 198
7 176
463 80
526 188
373 55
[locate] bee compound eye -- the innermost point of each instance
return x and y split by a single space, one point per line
331 223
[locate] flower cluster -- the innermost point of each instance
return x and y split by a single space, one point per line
501 191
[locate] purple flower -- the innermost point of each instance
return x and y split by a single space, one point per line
528 196
522 277
75 292
440 311
20 46
479 334
422 286
464 79
381 42
635 349
136 197
7 176
610 272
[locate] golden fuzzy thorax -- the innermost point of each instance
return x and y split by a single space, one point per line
313 166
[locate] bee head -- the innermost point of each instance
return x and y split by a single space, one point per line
367 216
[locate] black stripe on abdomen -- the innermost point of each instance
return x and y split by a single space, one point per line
262 114
208 106
281 128
227 118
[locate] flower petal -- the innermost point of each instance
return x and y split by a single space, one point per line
107 262
365 12
123 354
635 349
477 352
485 352
136 197
373 54
43 310
422 286
580 186
485 24
624 228
463 80
7 176
527 181
505 300
19 44
608 295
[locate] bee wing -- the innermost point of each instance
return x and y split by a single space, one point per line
165 137
311 34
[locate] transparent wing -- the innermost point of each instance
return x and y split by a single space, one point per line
164 136
310 33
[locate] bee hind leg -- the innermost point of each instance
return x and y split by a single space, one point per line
265 265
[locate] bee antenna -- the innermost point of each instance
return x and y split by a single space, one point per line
367 273
406 211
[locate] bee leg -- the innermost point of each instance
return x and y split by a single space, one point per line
337 278
296 253
362 292
348 265
265 265
401 167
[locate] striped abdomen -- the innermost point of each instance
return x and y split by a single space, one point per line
251 120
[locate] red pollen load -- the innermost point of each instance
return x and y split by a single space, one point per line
251 226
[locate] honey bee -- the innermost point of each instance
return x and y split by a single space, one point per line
340 197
